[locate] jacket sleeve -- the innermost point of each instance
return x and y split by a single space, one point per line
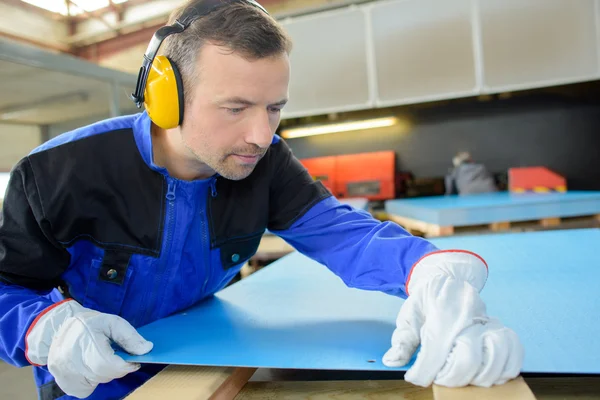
31 263
364 252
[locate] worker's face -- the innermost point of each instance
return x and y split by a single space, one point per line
235 110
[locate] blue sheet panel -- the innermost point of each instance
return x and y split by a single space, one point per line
495 207
297 314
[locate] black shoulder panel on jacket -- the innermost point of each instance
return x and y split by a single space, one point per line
29 255
293 191
100 189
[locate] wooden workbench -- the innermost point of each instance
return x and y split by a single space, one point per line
203 383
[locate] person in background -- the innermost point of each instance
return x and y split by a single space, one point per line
469 177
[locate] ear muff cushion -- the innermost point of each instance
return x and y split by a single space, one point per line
180 95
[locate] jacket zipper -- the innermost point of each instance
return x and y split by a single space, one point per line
205 239
213 187
151 306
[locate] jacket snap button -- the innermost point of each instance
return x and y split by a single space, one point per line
111 274
235 258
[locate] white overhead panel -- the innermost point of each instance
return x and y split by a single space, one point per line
329 63
423 50
38 87
534 43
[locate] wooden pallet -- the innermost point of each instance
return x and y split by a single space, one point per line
212 383
271 248
427 229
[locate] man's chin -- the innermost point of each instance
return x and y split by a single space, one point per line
238 173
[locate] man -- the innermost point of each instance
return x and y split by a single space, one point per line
469 177
138 217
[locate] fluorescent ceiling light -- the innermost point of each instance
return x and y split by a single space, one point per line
77 6
341 127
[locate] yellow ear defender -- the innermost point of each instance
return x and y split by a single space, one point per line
159 86
164 94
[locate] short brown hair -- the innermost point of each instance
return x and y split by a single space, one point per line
240 27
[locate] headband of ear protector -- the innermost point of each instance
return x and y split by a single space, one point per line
159 85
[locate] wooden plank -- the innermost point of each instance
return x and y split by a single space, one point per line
561 388
429 229
203 383
194 383
555 388
233 384
500 226
437 230
413 224
272 247
549 222
247 270
325 390
516 389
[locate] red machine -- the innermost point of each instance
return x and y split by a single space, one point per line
322 169
368 175
535 179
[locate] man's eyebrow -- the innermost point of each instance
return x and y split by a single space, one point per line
280 103
235 100
246 102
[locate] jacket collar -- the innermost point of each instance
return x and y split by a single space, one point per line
143 138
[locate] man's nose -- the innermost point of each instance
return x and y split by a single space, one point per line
260 133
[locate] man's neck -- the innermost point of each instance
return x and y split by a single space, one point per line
169 152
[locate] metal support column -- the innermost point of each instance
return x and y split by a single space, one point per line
114 100
44 133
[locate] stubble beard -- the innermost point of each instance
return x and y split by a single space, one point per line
219 165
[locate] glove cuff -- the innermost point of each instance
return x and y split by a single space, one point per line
43 328
459 264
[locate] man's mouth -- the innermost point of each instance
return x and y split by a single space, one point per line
248 159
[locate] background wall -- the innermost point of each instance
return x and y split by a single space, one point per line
16 141
558 133
63 127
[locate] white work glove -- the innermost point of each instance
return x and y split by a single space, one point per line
444 313
75 343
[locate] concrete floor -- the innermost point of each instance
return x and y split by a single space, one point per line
16 383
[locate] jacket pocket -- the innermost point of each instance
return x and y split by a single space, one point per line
238 251
108 282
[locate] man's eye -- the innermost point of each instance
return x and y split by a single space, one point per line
235 110
274 110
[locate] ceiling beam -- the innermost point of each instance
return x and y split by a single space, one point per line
122 6
89 15
39 58
118 9
100 50
33 42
